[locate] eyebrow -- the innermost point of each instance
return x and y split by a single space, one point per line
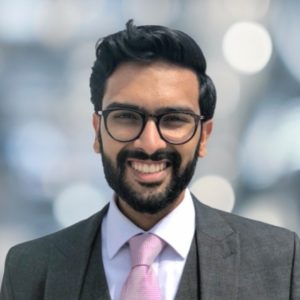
174 109
158 111
123 105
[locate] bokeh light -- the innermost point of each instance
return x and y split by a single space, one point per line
214 191
78 201
247 47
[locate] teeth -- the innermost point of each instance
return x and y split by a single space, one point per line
148 168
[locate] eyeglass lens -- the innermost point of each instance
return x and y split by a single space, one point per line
126 125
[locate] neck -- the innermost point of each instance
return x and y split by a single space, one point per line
145 220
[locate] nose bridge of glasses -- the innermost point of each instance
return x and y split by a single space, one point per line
155 120
148 117
150 134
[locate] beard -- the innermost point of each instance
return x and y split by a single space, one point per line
153 201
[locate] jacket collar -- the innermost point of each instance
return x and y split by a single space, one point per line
69 259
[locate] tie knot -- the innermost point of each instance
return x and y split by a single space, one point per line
144 248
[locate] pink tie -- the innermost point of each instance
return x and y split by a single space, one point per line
142 282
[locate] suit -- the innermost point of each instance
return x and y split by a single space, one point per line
230 258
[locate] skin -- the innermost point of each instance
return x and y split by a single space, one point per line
151 86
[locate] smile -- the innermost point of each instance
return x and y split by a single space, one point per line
148 168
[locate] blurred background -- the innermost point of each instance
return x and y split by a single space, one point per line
49 175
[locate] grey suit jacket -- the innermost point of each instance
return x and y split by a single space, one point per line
239 259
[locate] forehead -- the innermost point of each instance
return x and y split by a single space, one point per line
152 86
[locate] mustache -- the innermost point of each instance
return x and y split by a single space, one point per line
171 156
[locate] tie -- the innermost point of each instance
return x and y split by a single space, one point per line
142 282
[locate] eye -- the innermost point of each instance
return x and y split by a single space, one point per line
124 114
176 119
124 117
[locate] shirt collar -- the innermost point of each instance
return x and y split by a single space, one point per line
120 229
178 227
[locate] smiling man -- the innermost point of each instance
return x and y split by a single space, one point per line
154 105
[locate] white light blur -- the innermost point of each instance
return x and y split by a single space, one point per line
77 202
228 86
247 9
247 47
214 191
150 12
271 144
36 147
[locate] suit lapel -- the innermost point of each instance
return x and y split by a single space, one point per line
218 247
95 285
68 264
188 287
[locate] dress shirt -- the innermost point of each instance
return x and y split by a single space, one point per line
176 229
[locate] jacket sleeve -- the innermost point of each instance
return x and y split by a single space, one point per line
6 290
295 288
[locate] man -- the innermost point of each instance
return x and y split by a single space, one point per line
154 105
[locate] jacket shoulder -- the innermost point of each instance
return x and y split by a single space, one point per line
30 253
252 234
27 264
246 227
256 229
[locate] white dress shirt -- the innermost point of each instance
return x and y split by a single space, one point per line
177 229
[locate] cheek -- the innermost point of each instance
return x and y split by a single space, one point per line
187 155
189 150
111 148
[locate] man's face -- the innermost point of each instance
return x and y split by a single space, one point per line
150 174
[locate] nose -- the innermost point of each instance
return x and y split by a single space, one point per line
150 141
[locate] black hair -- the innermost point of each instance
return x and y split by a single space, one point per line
146 44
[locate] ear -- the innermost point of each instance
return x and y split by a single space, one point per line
206 131
96 125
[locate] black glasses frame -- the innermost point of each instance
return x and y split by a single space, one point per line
145 117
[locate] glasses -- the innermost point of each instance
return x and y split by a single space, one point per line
126 124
